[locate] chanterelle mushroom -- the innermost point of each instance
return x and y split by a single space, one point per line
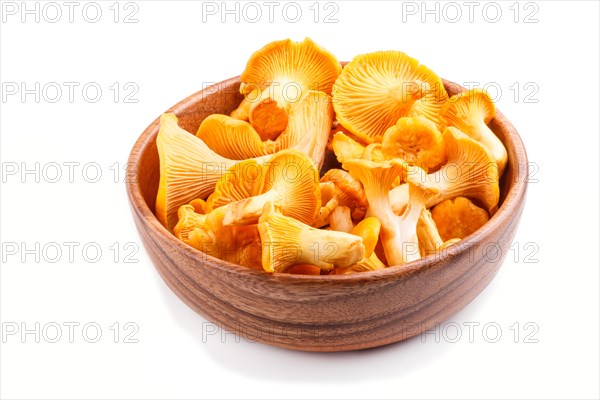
376 89
189 219
470 112
290 180
234 138
368 229
287 242
312 120
243 180
277 75
417 141
189 169
206 233
348 192
307 131
469 172
430 240
458 218
398 233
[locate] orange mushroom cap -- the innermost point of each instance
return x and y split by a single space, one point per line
290 180
281 72
417 141
376 89
471 112
189 169
470 171
307 131
458 218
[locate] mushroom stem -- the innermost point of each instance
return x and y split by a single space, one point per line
340 220
249 210
368 229
325 212
488 138
428 234
287 242
398 233
399 198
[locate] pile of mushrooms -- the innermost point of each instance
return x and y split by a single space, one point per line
418 170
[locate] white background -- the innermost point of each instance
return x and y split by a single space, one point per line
546 291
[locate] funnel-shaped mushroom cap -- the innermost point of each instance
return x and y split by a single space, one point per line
305 64
376 89
327 191
470 112
470 171
398 234
282 71
373 152
287 242
248 248
189 169
458 218
417 141
290 180
243 180
234 138
307 131
295 177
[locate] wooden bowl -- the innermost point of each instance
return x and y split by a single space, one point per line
322 313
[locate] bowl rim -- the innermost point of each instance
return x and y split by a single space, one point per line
502 217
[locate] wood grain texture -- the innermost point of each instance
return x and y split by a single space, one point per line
322 313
